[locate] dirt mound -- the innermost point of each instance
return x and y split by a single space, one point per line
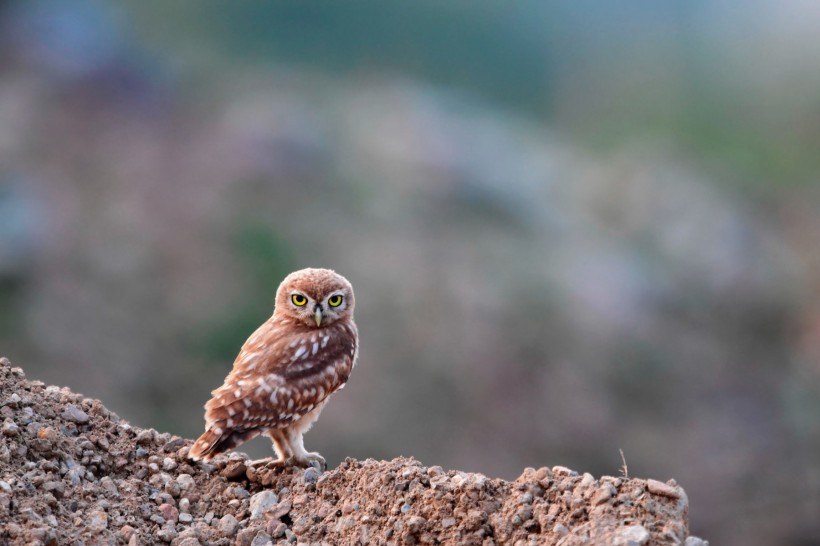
72 472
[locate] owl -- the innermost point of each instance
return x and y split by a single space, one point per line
286 371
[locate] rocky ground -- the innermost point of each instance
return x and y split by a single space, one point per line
72 472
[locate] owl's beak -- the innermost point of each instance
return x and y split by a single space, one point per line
317 315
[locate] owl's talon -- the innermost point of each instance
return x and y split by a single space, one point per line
314 460
267 462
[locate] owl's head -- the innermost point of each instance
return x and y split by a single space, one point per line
315 297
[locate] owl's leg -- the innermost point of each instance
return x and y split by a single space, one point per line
301 457
281 446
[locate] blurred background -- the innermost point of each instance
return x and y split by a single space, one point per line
572 228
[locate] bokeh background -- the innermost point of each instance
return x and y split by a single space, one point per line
573 227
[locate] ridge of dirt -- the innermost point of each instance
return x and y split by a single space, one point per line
73 472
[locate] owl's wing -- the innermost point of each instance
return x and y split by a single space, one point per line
276 380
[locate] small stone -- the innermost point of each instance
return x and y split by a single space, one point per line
169 464
415 524
185 517
184 505
126 531
262 539
167 534
560 529
603 494
280 510
173 445
146 437
587 479
5 362
170 513
5 487
261 503
189 541
563 471
311 475
234 470
97 520
695 541
228 525
185 482
74 414
448 522
10 428
631 535
109 486
659 488
276 528
55 488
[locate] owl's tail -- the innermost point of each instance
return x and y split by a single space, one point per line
210 443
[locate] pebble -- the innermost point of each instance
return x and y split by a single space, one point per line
145 437
109 486
189 541
261 503
170 513
74 414
167 534
311 475
185 481
228 525
5 487
185 517
631 535
126 531
55 488
97 520
262 539
659 488
560 529
695 541
184 505
10 428
446 523
169 464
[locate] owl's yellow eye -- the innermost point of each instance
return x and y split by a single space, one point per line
298 299
334 301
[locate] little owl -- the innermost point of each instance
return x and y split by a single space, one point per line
287 370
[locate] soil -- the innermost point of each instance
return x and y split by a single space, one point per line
73 472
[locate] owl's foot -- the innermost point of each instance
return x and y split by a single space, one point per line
267 462
313 459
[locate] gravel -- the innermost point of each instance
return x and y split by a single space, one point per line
72 472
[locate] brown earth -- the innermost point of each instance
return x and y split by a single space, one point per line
72 472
